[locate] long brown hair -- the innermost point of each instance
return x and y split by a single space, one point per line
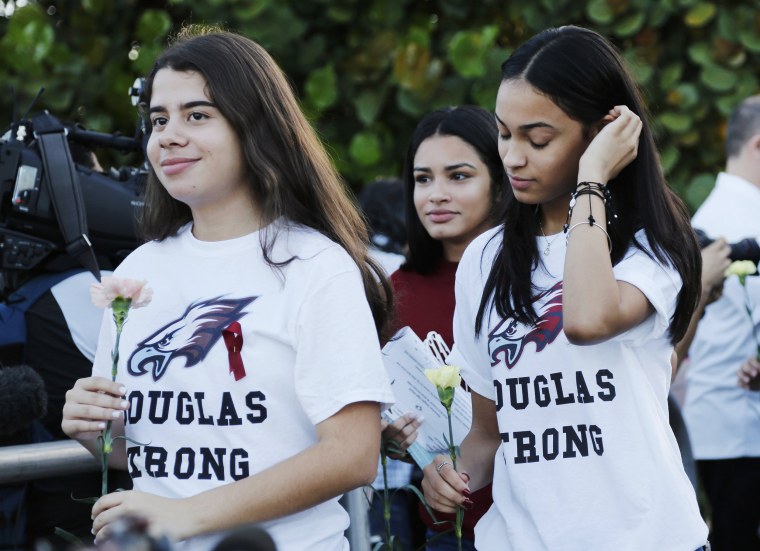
288 170
584 74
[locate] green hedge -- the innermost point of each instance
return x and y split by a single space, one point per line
366 70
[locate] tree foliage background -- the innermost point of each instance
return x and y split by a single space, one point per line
367 70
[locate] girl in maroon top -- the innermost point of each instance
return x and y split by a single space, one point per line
453 180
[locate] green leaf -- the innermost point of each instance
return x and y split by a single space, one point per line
153 25
675 122
700 15
93 6
420 36
659 12
365 148
717 78
630 25
467 50
410 65
410 103
699 188
641 69
29 36
340 14
669 157
321 87
700 53
252 9
750 40
368 105
421 497
600 12
690 138
484 93
727 27
689 95
387 12
452 91
670 75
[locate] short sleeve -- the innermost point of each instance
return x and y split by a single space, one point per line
469 351
338 358
659 282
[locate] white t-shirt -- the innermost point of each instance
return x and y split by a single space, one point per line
722 417
309 349
587 461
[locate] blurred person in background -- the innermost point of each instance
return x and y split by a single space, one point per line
453 181
723 417
382 203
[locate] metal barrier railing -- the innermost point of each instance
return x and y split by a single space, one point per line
32 461
64 457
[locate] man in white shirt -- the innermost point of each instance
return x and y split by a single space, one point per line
724 418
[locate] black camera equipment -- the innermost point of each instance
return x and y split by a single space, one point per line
746 249
49 204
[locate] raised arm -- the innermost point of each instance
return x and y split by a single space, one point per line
596 306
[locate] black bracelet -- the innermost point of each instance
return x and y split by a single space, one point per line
589 191
586 188
597 185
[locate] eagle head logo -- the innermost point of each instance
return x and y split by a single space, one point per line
508 339
190 336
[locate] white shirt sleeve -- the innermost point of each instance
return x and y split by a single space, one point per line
659 282
338 358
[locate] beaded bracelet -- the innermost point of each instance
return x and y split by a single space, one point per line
609 241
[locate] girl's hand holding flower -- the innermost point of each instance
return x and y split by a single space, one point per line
445 489
90 404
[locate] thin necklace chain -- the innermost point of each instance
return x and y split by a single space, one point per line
549 242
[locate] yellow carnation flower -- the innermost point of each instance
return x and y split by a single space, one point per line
446 376
741 268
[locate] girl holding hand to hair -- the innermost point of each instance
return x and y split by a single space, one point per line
251 233
566 316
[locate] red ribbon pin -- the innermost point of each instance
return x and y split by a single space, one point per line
233 339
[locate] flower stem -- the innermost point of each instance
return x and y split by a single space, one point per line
453 455
386 498
106 443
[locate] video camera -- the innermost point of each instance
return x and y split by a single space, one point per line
746 249
49 204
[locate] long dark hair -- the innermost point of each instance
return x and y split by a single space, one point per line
473 125
288 170
584 75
